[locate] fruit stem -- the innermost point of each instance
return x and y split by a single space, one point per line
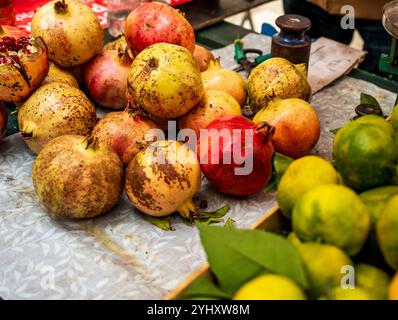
268 129
186 209
60 6
1 30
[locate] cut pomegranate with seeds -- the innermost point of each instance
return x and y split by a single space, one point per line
23 67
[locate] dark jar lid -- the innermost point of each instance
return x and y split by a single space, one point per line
293 23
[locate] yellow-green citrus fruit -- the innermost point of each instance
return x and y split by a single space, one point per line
377 121
387 234
270 287
376 199
302 175
365 154
333 214
394 118
374 280
324 264
340 293
294 240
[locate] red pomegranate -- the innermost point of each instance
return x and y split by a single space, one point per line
3 120
23 67
106 78
155 22
126 132
235 155
10 31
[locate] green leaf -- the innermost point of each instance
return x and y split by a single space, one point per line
368 99
236 256
163 223
212 216
229 223
203 289
334 131
280 163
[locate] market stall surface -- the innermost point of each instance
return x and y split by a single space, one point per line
120 255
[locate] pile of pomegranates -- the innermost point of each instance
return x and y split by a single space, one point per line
155 73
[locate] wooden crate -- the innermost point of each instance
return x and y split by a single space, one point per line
273 220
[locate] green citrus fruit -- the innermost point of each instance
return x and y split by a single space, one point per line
365 155
294 240
387 232
333 214
374 280
394 118
377 121
324 265
270 287
302 175
376 199
340 293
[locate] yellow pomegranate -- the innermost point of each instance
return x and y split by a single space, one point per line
163 178
277 78
214 105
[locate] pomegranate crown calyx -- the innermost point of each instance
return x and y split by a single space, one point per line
60 6
91 143
267 129
214 64
2 30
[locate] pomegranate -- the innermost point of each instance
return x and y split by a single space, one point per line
126 132
164 80
58 74
23 67
77 177
3 120
202 57
297 127
13 32
214 105
235 155
71 31
277 78
155 22
106 78
55 109
163 178
231 82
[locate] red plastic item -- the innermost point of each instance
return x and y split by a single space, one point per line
7 15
